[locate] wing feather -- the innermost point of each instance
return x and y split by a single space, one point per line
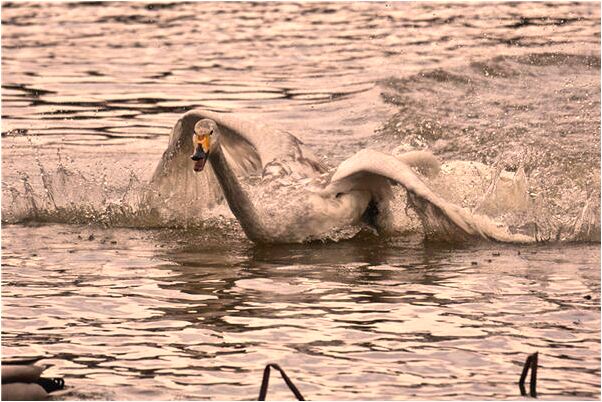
252 145
250 148
441 219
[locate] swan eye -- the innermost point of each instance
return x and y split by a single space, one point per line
211 132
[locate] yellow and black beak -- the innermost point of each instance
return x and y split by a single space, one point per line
202 145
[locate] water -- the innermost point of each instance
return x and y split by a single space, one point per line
128 305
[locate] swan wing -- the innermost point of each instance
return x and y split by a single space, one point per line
174 184
441 219
251 147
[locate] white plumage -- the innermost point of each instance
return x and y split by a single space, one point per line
294 200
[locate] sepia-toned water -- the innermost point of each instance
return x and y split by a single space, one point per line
125 305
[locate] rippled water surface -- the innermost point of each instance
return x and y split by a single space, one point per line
128 307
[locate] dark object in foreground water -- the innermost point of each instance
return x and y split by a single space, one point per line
21 381
531 362
266 378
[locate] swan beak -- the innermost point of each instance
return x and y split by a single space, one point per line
201 152
200 157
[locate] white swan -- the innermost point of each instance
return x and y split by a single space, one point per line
310 206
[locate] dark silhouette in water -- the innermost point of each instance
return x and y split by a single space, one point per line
22 381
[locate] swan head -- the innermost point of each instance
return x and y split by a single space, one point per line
203 139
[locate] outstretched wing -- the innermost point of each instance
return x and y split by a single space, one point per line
175 186
441 219
251 148
263 144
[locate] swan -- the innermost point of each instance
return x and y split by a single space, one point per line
299 200
23 382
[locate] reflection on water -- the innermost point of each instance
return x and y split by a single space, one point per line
175 314
153 315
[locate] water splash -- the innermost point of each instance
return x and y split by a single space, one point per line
67 195
535 118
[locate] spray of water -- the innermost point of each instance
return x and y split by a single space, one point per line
66 195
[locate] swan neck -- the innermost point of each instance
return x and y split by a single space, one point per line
237 198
